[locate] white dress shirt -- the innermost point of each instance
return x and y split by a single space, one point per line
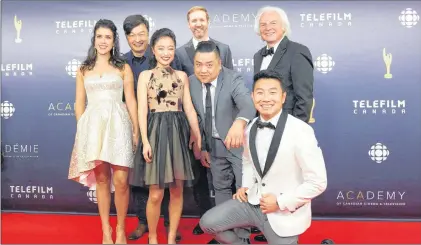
264 139
266 60
196 42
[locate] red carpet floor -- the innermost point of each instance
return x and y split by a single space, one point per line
67 229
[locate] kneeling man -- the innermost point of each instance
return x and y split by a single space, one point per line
283 170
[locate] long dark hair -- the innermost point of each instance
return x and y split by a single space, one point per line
164 32
116 58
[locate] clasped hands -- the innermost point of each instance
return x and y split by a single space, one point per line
268 202
234 139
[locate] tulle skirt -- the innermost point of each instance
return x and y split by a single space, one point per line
168 134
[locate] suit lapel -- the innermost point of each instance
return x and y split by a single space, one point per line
276 140
253 151
280 51
258 61
219 84
190 50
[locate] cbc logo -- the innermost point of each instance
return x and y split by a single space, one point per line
324 63
7 109
378 153
409 17
91 194
72 66
151 23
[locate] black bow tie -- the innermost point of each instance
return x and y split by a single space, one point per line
261 124
266 52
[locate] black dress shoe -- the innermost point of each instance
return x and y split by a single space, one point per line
138 233
198 231
260 238
213 241
246 241
254 230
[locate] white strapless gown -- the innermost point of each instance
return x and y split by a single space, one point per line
104 131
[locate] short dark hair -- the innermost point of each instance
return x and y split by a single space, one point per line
268 74
133 21
207 47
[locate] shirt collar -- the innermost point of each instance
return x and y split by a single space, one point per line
196 42
146 55
273 120
276 45
214 82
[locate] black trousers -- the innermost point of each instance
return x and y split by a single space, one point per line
140 198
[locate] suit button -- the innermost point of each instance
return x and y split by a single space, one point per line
263 184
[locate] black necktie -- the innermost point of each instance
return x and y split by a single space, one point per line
261 124
266 52
208 117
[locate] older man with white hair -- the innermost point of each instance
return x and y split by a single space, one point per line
293 61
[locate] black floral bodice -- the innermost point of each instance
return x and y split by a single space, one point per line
165 90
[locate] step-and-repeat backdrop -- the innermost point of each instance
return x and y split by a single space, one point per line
367 117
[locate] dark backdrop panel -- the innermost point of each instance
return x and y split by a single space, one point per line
368 125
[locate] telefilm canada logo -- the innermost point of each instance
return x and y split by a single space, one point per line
17 69
325 20
32 192
74 26
379 107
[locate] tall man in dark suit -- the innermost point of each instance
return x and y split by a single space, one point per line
293 61
136 28
198 21
224 107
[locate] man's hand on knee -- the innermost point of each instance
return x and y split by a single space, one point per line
241 194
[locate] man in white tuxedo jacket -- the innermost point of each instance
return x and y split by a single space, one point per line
283 170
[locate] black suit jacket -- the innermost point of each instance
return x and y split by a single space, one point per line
293 61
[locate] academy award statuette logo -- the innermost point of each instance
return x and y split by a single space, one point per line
18 27
387 58
312 119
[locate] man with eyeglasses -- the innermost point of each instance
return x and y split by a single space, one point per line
136 29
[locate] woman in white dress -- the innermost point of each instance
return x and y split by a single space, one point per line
107 129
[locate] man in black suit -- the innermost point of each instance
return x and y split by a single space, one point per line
293 61
198 21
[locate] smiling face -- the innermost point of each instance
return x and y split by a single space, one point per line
268 97
104 40
271 29
164 50
138 39
198 24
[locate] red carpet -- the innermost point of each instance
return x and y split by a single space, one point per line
67 229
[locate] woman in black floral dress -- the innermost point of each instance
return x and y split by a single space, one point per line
163 159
